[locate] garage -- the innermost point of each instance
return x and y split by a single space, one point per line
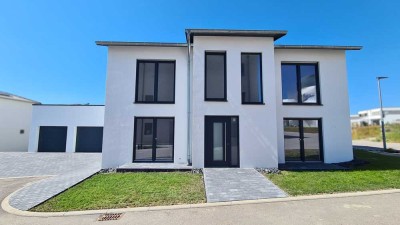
89 139
52 139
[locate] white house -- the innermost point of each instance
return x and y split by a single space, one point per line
226 98
15 121
66 128
373 116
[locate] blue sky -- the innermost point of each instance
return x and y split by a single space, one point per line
48 52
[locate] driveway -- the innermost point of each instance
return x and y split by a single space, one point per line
24 164
59 171
359 210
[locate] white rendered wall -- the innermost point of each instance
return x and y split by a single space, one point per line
70 116
257 123
336 129
14 116
120 97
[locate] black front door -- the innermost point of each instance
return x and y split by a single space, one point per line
221 141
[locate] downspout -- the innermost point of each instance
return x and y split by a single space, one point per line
189 102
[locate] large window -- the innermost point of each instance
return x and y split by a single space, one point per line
215 76
154 139
303 139
300 83
251 79
155 82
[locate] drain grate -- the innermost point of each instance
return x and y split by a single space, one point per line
109 216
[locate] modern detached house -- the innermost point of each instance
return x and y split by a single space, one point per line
226 98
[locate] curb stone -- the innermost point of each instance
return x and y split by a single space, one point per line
8 208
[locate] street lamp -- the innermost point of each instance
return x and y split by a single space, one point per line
382 122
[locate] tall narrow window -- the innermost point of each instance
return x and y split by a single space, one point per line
155 82
215 76
251 79
300 83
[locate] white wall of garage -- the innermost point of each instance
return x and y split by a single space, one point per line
71 116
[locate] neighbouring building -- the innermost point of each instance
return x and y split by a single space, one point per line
226 98
373 117
15 121
66 128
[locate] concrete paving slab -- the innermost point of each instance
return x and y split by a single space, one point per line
235 184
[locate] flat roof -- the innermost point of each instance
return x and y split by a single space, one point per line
153 44
331 47
276 34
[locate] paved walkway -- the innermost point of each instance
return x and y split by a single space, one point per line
65 169
234 184
365 143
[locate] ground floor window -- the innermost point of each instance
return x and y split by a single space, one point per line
153 139
303 139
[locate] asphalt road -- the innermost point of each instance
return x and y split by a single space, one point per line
373 209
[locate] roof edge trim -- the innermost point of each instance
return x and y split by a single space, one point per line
150 44
331 47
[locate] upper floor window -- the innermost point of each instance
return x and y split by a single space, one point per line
252 92
215 76
155 82
300 83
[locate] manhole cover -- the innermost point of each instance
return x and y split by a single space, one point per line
110 216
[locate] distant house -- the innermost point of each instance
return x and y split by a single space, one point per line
226 98
15 122
373 117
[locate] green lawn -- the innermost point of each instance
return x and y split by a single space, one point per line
119 190
383 172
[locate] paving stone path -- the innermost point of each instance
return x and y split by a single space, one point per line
65 170
234 184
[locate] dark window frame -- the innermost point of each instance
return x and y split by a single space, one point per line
154 132
298 79
261 79
155 82
224 99
301 133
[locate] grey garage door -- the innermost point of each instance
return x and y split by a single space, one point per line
52 139
89 139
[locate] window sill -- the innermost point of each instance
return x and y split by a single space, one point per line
253 103
303 104
163 103
215 100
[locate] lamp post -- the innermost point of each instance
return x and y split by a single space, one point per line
382 121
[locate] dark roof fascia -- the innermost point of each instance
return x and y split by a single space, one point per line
330 47
276 34
150 44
